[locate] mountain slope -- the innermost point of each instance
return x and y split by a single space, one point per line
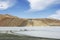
44 22
9 20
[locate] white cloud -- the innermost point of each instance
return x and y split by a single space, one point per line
5 4
41 4
56 15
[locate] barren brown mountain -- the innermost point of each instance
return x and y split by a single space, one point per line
8 20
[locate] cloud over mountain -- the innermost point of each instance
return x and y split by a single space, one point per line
56 15
42 4
5 4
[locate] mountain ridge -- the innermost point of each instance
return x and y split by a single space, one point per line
9 20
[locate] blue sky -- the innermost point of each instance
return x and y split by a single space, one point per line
31 8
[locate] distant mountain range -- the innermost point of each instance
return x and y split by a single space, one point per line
9 20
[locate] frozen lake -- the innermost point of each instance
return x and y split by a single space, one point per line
47 32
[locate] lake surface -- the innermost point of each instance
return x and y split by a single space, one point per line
15 37
47 32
